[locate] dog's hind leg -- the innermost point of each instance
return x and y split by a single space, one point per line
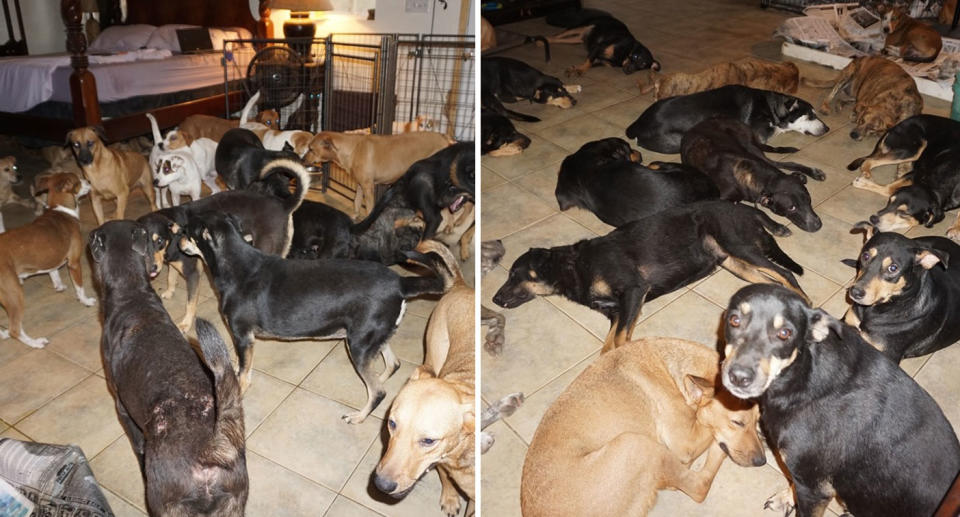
631 302
133 432
362 357
391 362
358 202
760 270
11 298
56 281
863 182
243 343
75 268
192 271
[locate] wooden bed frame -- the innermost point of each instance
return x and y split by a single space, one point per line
83 87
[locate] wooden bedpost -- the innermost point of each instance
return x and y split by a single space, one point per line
83 87
265 25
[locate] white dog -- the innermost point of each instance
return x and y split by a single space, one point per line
177 173
274 140
188 157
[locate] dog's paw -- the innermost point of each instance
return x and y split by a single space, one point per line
166 295
862 181
954 233
450 506
59 288
486 441
354 418
185 326
782 501
34 342
87 301
573 71
817 174
4 334
493 343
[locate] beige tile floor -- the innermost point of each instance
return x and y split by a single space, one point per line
303 460
549 341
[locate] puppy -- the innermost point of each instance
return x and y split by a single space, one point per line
883 92
432 421
43 246
661 126
373 159
832 405
358 300
499 137
654 407
604 177
10 176
181 411
752 72
111 173
608 41
638 262
732 156
202 151
241 157
907 38
504 79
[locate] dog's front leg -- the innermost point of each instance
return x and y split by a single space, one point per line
449 497
810 502
96 201
696 484
122 205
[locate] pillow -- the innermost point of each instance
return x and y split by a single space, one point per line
118 38
219 36
165 37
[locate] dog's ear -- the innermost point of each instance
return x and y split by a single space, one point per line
697 391
867 228
41 185
287 147
819 325
96 244
765 199
929 257
100 132
800 176
422 372
141 242
849 262
186 137
69 138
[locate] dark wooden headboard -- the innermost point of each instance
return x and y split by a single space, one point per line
205 13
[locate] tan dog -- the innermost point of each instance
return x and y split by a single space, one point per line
432 420
43 246
111 173
10 176
752 72
907 38
631 424
206 126
488 35
373 159
884 93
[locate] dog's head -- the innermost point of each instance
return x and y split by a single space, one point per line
788 197
607 150
907 207
872 122
62 189
322 148
639 58
893 17
210 235
458 186
162 232
500 137
119 247
176 139
732 421
168 170
9 173
530 276
86 144
269 118
767 327
794 114
429 419
890 264
552 91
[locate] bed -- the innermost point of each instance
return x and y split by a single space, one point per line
63 92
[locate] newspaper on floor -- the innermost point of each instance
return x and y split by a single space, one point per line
816 32
52 479
13 503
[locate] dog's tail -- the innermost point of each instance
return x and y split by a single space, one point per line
818 83
278 173
249 106
444 266
378 209
157 138
227 439
546 45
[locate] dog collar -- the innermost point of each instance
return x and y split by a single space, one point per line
72 212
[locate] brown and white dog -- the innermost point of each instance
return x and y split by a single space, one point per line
207 126
432 421
43 246
373 159
10 176
907 38
752 72
112 174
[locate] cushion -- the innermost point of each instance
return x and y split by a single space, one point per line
165 37
119 38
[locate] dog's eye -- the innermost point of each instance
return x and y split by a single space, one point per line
784 334
392 424
427 442
737 423
865 257
893 268
76 144
734 320
793 208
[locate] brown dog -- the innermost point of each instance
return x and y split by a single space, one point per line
10 176
111 173
752 72
42 247
884 93
373 159
432 420
206 126
631 424
907 38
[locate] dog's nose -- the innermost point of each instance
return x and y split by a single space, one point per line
855 135
741 376
160 146
874 219
759 460
857 293
156 183
383 484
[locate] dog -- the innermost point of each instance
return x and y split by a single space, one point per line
883 92
491 252
907 38
178 175
214 128
420 123
906 294
604 177
488 35
661 127
752 72
730 153
432 421
636 263
202 151
9 176
241 157
266 217
180 409
499 137
111 173
43 246
504 79
359 300
654 406
608 41
832 405
273 138
914 139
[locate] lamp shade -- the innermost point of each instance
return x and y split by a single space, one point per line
302 5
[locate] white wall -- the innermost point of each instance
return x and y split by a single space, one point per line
391 16
42 23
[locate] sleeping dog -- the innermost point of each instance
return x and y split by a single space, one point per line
661 127
638 262
240 158
504 79
608 41
181 411
847 422
359 300
912 141
499 137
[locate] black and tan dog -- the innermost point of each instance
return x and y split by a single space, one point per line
604 177
914 140
181 411
617 273
240 158
906 297
732 156
359 300
608 41
111 173
661 127
846 421
504 79
499 137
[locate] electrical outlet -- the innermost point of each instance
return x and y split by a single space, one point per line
416 6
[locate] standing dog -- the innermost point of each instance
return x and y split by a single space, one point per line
43 246
651 407
111 173
432 420
846 421
177 175
752 72
9 176
907 38
608 41
201 150
241 157
181 411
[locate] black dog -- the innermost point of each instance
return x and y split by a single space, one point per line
503 79
615 274
602 177
181 412
847 421
661 127
359 300
906 297
915 139
499 137
608 41
240 157
266 216
729 153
